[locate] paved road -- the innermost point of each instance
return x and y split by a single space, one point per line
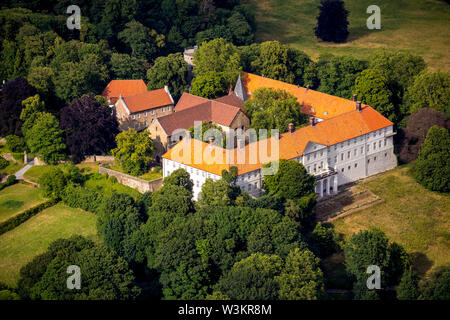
19 174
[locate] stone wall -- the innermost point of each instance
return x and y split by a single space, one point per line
133 182
101 159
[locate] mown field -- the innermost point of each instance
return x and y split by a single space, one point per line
18 198
409 214
420 26
22 244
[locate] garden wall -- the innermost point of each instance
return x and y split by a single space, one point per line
133 182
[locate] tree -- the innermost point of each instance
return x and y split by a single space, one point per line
144 43
241 31
15 143
41 78
437 287
119 217
372 88
32 106
90 128
400 68
431 166
181 178
408 289
413 135
291 181
218 57
371 247
336 75
78 78
301 277
105 276
169 71
215 193
13 93
45 138
134 151
124 66
273 109
430 90
332 21
324 240
280 62
252 278
210 85
55 179
200 133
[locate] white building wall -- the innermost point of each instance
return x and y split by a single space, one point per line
353 159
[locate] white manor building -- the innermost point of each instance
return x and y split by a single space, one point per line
338 148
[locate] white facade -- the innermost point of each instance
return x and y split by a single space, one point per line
332 166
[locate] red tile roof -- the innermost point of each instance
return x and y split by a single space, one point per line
210 111
188 100
125 87
231 99
328 132
148 100
315 103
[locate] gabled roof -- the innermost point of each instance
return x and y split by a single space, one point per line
315 103
115 88
231 99
291 145
188 100
148 100
210 111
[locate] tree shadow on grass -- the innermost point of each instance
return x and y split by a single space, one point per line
421 263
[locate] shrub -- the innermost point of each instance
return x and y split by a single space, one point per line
86 198
3 163
15 143
113 179
24 216
9 181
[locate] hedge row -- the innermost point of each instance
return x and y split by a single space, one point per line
9 181
24 216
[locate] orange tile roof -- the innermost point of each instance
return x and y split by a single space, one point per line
148 100
315 103
291 145
125 87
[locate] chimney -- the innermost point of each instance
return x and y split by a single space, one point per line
211 140
355 97
307 88
358 105
312 121
291 128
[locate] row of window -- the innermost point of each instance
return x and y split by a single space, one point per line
138 116
356 164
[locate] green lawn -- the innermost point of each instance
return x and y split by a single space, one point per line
12 168
17 198
31 238
409 214
34 173
420 26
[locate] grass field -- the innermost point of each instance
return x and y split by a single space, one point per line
409 214
31 238
17 198
420 26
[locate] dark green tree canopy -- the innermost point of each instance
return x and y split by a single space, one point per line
273 109
169 71
431 166
332 21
